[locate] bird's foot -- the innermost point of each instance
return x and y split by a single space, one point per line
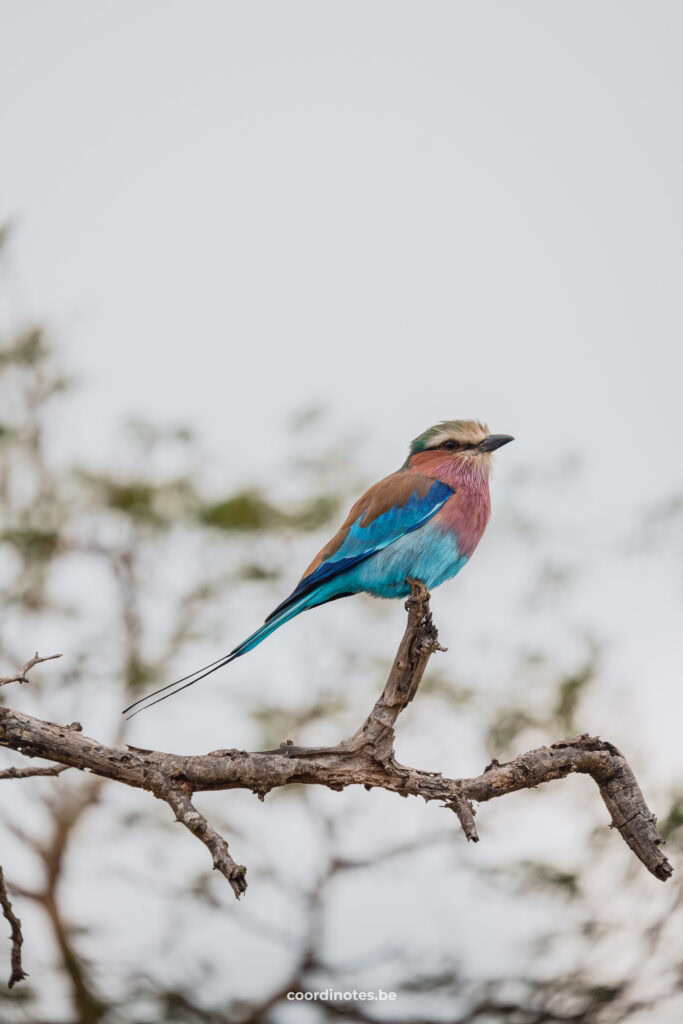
418 592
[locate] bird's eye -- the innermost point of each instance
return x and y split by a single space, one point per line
450 444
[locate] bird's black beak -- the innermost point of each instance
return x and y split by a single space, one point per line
493 441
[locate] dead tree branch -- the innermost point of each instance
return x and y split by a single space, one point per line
22 674
366 759
31 773
178 799
18 973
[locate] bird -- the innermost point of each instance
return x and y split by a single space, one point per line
422 522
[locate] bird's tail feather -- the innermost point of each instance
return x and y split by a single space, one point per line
247 645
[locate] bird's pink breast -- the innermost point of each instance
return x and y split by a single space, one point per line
468 510
466 515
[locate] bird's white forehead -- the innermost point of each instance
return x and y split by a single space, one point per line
465 432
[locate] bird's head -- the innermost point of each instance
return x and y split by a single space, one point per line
455 445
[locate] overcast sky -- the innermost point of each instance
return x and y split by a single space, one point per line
227 211
404 211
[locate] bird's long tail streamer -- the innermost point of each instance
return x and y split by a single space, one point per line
201 673
175 687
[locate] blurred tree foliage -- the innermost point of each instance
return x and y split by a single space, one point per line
83 548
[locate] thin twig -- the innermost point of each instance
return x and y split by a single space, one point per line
18 972
31 773
22 674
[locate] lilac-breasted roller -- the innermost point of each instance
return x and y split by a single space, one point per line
422 522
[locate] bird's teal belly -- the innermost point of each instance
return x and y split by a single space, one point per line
427 554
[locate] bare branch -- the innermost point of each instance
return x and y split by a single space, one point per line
366 758
419 642
18 973
178 799
465 812
31 773
22 674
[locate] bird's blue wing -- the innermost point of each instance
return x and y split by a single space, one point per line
395 506
392 508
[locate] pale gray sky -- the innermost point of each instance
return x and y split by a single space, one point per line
406 211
